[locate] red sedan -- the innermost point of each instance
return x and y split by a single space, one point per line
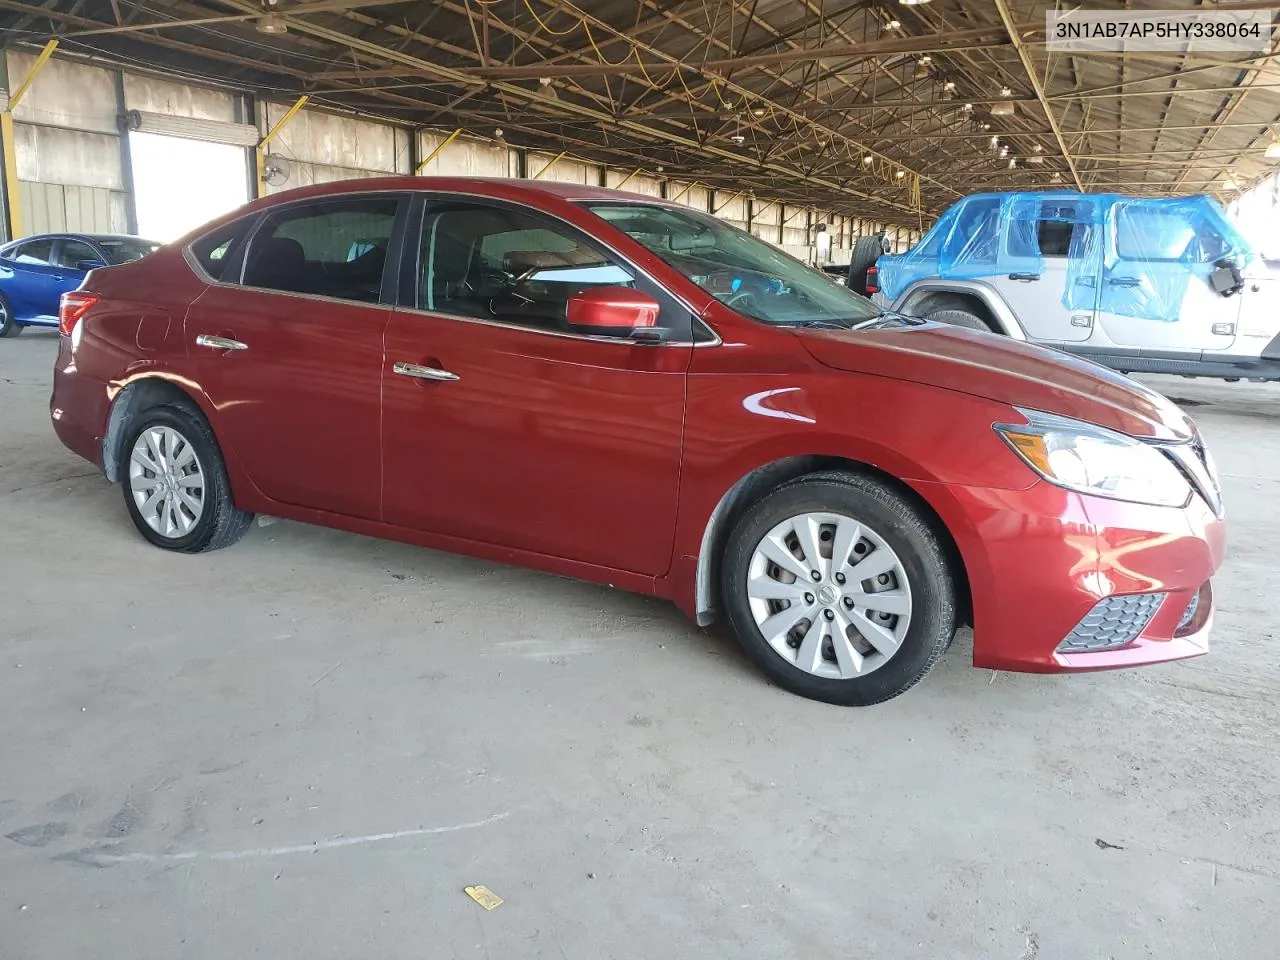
624 390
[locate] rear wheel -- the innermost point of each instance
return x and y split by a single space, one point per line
838 589
9 327
175 483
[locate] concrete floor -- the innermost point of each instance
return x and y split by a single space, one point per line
308 744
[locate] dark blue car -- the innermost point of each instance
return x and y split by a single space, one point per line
36 271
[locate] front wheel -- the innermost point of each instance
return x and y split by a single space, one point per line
175 483
961 318
838 589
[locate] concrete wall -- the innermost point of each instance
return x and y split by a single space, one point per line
466 157
321 147
182 100
68 147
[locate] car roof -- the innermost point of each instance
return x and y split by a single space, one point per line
69 235
482 186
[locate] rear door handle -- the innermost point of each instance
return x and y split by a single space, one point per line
1124 282
418 371
219 343
1024 277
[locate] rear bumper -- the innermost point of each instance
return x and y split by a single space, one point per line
78 407
1040 559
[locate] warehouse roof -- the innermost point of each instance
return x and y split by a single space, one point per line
888 109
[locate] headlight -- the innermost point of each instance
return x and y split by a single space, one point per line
1093 460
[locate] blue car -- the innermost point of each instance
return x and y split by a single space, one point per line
36 271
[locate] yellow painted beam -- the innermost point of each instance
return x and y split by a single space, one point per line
20 91
439 148
729 201
260 152
9 149
554 160
628 178
683 192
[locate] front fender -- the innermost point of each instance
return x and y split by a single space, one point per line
909 300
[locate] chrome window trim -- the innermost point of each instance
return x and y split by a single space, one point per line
427 192
564 334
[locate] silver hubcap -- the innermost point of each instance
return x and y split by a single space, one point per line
829 595
167 481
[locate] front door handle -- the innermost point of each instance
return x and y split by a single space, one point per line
420 372
1124 282
1024 277
219 343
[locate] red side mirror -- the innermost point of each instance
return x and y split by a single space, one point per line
611 310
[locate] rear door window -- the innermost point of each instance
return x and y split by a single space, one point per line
329 248
37 253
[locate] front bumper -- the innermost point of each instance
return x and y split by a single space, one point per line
1039 560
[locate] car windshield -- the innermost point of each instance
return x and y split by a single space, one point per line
742 271
119 251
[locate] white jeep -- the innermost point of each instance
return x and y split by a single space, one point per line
1137 284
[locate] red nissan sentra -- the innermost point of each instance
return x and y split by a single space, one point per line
624 390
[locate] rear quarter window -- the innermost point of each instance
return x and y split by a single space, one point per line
217 250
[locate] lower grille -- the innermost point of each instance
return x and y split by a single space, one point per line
1197 613
1113 622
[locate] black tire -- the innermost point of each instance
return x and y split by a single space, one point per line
866 251
221 522
901 525
961 318
8 326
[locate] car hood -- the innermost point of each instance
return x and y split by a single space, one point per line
1007 371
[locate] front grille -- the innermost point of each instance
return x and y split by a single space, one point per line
1113 622
1188 614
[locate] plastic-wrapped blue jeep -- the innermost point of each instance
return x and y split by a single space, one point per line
1143 285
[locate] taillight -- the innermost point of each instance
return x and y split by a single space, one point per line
872 278
74 305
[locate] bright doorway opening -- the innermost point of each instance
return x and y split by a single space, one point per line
180 184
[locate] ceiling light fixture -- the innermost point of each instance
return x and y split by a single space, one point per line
900 174
912 3
272 24
866 161
926 59
758 112
893 25
949 85
1013 163
1273 151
